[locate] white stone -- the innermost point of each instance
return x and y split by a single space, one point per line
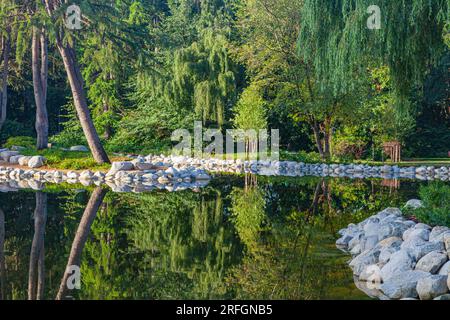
445 269
414 204
404 285
432 286
36 162
432 262
79 149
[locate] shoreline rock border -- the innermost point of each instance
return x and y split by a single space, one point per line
298 169
394 258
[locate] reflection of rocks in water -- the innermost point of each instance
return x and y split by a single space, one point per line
137 182
370 289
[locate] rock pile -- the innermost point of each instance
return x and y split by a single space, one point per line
14 157
395 258
298 169
133 181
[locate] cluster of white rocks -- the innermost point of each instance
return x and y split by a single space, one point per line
14 157
168 179
396 258
298 169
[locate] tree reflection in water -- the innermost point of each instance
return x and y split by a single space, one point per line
81 237
238 238
36 277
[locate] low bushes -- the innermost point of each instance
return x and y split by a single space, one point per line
436 201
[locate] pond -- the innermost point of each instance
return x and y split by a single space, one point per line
238 238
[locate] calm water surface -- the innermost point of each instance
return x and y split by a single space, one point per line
239 238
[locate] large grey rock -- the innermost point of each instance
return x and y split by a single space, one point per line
395 211
438 233
422 226
23 161
391 229
414 204
367 258
432 286
15 159
5 155
447 243
343 241
444 297
79 149
391 242
403 285
121 166
369 243
386 253
416 233
445 269
418 248
36 162
399 263
143 166
355 241
432 262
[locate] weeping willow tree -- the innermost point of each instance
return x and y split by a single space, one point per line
201 78
335 36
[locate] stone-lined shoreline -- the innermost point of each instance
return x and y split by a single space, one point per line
299 169
395 258
153 178
175 173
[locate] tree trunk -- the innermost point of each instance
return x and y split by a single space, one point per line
316 130
72 68
6 48
80 101
2 256
40 76
36 272
327 138
81 236
108 129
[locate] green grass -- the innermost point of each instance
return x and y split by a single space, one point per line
67 160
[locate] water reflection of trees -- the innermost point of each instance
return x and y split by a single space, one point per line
262 239
183 237
288 232
36 275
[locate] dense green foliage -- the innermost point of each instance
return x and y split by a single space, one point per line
436 204
309 68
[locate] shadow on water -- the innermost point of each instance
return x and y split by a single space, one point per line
239 238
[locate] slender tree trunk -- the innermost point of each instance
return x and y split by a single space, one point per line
108 130
72 68
36 271
80 101
327 138
316 130
2 256
40 76
6 48
81 236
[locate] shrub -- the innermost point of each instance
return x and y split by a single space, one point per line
27 142
436 200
